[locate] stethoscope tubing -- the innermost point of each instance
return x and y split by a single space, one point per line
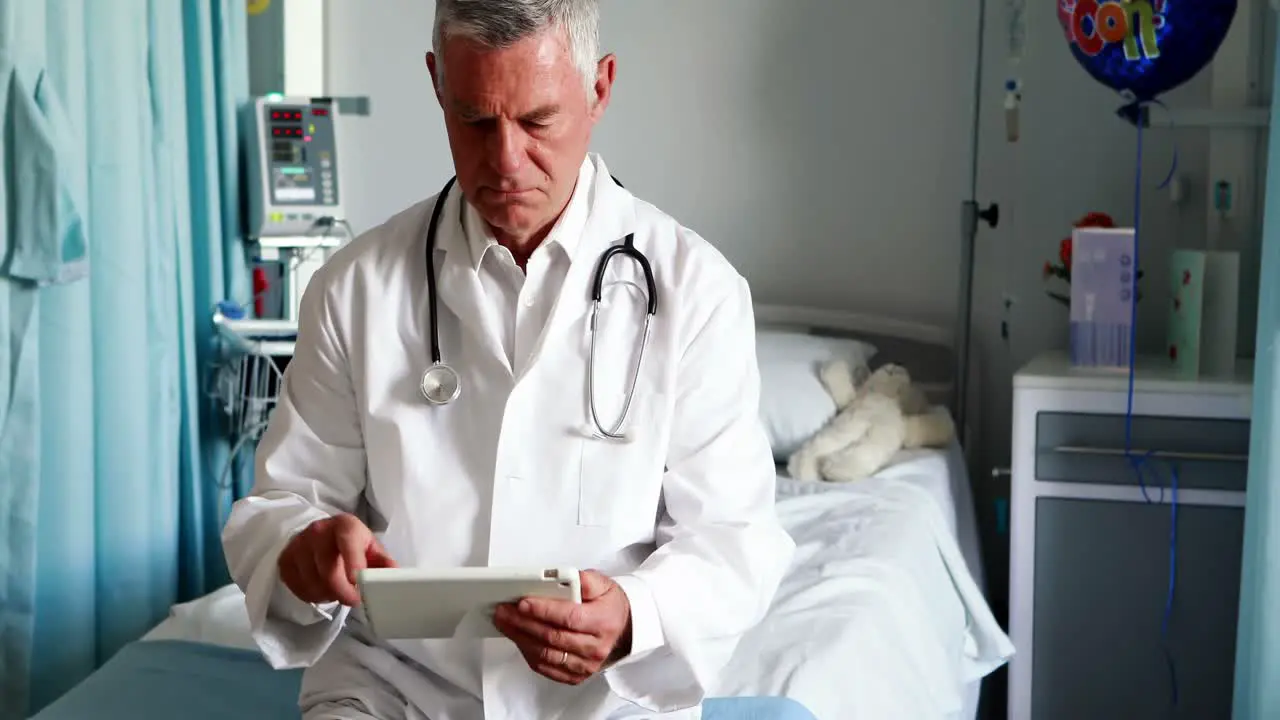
626 248
431 269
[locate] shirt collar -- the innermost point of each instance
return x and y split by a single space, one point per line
564 235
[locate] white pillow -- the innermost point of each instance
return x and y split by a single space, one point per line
793 403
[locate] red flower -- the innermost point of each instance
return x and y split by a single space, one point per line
1093 219
1096 219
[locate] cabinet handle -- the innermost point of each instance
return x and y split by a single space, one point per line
1163 454
1000 472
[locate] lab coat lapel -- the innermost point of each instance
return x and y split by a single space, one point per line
459 284
611 216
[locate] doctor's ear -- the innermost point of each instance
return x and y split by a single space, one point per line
606 72
435 76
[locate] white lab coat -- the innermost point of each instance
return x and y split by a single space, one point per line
508 475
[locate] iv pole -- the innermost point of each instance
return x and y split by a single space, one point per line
970 214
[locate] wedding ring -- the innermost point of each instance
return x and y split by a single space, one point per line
564 659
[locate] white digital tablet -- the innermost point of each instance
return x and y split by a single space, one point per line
442 603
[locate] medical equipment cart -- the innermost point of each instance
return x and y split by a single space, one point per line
247 376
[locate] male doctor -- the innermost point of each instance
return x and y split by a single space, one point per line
358 470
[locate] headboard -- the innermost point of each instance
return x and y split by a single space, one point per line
925 350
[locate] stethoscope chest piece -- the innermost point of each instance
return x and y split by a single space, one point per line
440 384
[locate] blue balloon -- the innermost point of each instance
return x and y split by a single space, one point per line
1145 47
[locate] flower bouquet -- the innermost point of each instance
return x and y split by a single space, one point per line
1062 268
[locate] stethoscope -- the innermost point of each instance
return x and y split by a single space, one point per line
441 384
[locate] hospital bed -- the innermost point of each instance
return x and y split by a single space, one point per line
881 615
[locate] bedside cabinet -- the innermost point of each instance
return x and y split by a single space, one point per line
1090 555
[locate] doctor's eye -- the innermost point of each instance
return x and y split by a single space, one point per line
540 119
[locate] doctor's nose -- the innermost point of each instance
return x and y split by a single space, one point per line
507 147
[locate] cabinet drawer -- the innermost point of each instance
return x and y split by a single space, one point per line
1210 454
1101 584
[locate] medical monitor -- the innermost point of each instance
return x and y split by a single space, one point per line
294 183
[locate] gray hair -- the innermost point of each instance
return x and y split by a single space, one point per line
501 23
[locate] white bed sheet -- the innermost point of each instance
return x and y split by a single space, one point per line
880 617
941 473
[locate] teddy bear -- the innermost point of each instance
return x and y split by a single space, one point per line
878 414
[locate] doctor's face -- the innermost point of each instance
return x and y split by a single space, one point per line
519 121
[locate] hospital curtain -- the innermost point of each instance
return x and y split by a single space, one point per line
1257 694
117 237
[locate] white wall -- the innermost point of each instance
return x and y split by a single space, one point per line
826 162
398 155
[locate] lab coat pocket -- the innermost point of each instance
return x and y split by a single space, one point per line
621 480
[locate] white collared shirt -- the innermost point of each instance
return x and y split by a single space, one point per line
520 301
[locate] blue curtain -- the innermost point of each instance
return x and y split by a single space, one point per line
117 237
1257 693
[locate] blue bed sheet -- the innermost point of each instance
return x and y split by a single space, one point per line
164 679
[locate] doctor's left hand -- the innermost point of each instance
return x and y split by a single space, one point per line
566 642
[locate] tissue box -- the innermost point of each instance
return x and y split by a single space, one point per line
1203 315
1102 286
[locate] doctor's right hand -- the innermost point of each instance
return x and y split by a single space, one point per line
321 563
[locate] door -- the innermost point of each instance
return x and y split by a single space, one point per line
1072 156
